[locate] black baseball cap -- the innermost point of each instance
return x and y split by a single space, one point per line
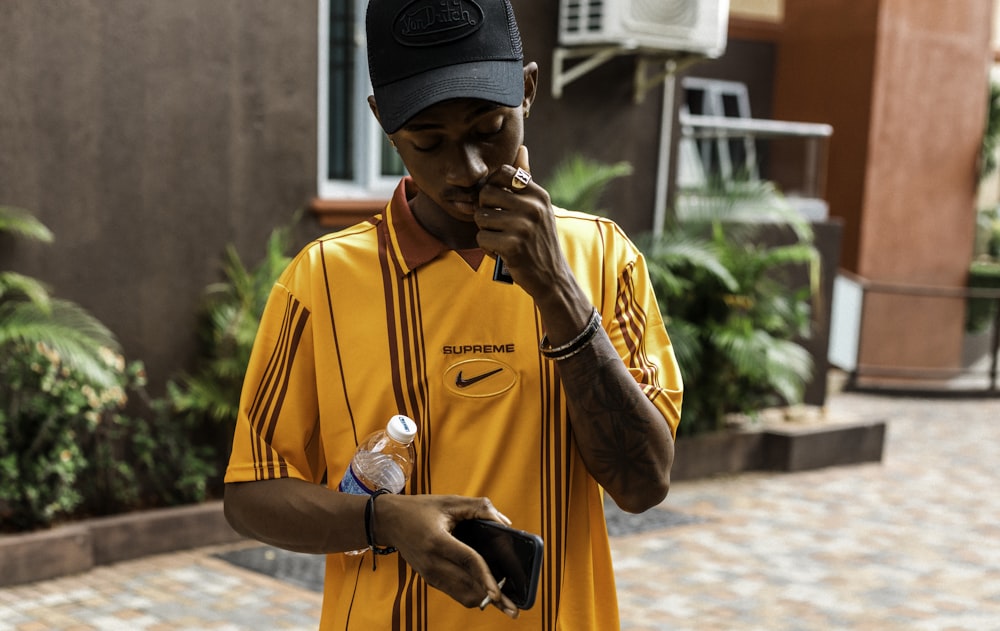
422 52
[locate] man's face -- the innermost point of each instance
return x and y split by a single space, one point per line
451 148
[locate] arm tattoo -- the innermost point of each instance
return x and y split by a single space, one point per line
620 446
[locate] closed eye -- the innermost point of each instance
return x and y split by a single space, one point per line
492 129
426 145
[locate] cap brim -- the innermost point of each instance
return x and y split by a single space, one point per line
497 81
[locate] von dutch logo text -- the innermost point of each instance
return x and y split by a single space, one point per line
430 22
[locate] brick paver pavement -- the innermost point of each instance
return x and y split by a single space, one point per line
912 543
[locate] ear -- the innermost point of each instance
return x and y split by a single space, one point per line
530 85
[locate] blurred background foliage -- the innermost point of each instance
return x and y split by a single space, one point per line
79 435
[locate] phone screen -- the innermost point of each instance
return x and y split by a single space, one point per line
512 554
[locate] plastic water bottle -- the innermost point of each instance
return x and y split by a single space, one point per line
383 460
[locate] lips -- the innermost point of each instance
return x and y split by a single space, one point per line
467 206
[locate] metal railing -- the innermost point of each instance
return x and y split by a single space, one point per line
945 378
721 129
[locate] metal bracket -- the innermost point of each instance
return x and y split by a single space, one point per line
664 66
596 56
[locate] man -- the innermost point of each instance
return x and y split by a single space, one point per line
532 392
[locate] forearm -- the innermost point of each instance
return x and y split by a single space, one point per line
296 515
623 438
305 517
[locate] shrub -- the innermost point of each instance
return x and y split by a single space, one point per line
207 399
59 373
732 319
48 411
67 444
731 313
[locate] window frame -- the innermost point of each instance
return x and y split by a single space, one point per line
368 143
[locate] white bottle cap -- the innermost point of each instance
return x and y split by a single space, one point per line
401 429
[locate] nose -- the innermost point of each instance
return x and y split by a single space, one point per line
466 167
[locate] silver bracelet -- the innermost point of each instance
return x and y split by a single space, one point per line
575 345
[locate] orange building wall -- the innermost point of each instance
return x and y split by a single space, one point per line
824 74
904 84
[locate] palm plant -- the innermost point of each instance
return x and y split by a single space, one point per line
230 318
733 321
60 374
29 314
578 183
732 318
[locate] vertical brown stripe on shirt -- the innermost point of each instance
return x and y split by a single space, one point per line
285 374
267 395
414 602
267 406
551 481
293 348
336 341
397 604
599 301
417 386
637 317
390 271
414 393
254 413
563 476
623 311
415 353
407 361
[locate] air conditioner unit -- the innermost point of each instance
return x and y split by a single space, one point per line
688 26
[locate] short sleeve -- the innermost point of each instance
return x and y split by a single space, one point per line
639 335
277 431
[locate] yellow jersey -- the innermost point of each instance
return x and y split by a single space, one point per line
382 319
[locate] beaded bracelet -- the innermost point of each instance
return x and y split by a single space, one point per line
370 527
575 345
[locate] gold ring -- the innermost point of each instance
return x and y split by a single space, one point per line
521 179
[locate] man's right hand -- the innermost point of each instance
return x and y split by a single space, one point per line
420 527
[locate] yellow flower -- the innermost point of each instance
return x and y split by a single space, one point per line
48 352
116 395
112 358
92 399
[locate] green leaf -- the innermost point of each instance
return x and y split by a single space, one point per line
66 328
15 286
579 183
22 223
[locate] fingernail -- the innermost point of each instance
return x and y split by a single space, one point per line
504 518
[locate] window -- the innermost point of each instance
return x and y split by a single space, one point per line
355 158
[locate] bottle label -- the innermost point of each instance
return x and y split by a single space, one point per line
351 484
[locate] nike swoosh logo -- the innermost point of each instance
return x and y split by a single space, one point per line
465 383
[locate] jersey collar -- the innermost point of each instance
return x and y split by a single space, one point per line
414 246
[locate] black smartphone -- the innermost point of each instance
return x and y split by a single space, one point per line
510 553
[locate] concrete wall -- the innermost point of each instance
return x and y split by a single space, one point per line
903 82
595 116
927 122
147 136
